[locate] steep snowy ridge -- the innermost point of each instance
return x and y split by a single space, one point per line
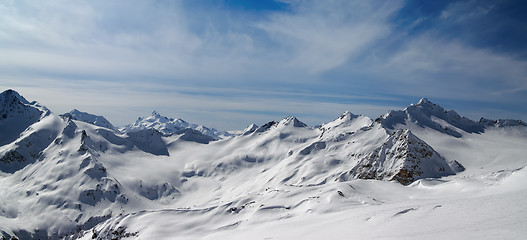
25 130
288 122
501 123
16 114
168 126
248 130
29 147
347 123
75 177
88 118
424 114
293 121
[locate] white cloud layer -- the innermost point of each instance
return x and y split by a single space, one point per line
121 55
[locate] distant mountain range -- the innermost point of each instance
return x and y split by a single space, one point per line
169 126
76 176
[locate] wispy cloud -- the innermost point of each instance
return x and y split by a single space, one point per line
311 57
437 62
92 38
323 35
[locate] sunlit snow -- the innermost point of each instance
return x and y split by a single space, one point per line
418 173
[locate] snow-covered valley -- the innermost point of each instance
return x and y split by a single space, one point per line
418 173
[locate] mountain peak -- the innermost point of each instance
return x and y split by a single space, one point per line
249 129
169 126
424 101
16 114
291 120
348 121
347 116
156 116
426 114
89 118
76 112
285 123
403 157
501 122
11 95
428 107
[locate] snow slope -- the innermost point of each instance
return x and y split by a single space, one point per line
349 178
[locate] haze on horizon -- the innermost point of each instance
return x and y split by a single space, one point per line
229 63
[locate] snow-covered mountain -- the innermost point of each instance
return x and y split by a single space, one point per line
16 114
501 122
169 126
88 118
430 115
25 130
72 177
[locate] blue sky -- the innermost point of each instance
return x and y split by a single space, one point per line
230 63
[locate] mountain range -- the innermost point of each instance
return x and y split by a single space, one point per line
411 173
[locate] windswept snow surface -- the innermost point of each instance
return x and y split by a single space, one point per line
352 178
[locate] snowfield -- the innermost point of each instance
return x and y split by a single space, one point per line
418 173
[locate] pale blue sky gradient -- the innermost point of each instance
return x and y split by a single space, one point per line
227 64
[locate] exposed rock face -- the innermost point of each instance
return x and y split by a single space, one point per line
404 158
